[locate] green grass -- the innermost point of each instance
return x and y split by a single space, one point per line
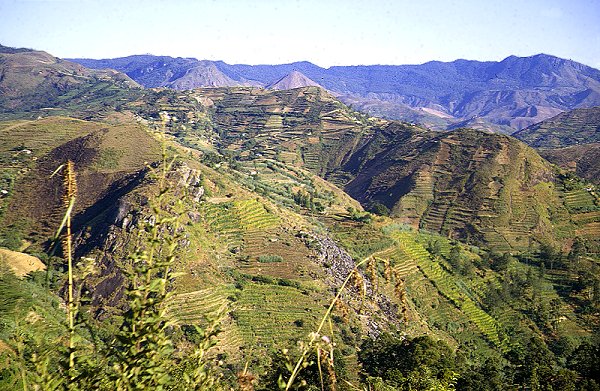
194 307
448 287
270 315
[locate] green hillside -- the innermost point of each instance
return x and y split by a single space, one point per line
260 228
473 186
579 126
569 140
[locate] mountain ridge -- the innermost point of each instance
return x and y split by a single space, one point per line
514 92
570 140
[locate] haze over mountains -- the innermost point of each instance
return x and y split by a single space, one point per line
504 96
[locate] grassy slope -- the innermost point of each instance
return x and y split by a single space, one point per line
104 156
579 126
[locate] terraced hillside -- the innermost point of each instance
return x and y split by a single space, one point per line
266 240
434 181
579 126
449 287
570 140
470 185
467 185
583 202
304 126
245 252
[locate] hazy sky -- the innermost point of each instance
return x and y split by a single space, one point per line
325 32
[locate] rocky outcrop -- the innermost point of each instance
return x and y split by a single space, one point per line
112 235
338 265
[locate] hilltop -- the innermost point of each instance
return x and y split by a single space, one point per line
292 80
35 79
580 126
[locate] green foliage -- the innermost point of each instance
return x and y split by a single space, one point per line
12 239
424 364
410 364
356 215
380 209
31 325
500 262
307 200
585 360
141 354
108 159
318 370
459 262
270 259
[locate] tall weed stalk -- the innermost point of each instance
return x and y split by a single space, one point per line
323 345
316 340
141 356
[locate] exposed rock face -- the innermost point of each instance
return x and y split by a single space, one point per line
337 261
114 235
339 264
192 180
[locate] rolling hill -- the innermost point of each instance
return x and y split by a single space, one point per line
34 79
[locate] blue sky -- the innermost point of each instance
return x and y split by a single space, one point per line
325 32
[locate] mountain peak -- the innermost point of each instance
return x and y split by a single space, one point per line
294 79
203 74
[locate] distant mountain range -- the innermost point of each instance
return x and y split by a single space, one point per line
502 96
